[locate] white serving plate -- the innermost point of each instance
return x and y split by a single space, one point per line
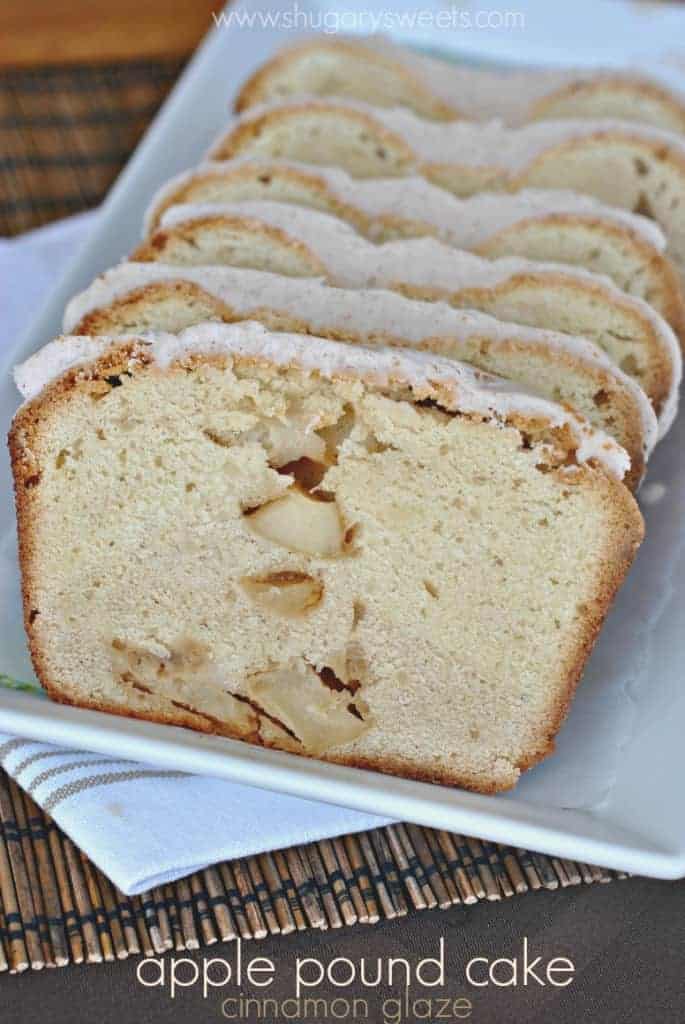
586 33
612 794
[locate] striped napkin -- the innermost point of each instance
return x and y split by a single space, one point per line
144 826
141 826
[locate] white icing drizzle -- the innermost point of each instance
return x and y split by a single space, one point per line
356 263
465 223
470 391
488 144
53 360
369 313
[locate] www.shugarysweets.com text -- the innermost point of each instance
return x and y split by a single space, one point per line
388 990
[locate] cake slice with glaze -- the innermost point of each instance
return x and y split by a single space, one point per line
539 224
136 297
297 241
377 558
633 166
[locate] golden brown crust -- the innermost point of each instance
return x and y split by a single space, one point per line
259 86
656 149
661 376
660 380
154 248
664 287
160 243
657 380
23 444
106 320
265 177
626 85
245 133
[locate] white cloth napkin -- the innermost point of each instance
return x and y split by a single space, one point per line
142 826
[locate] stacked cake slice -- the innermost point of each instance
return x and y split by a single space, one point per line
633 166
143 297
340 460
547 225
297 241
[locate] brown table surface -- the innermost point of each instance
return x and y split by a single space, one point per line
39 32
64 133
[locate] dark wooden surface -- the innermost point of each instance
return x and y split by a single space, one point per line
38 32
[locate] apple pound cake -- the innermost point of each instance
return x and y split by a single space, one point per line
379 558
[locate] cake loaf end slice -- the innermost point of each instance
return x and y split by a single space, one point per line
377 558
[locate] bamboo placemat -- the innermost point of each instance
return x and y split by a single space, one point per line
64 135
57 908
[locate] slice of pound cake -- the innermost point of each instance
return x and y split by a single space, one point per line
376 70
538 224
377 558
633 166
135 297
302 242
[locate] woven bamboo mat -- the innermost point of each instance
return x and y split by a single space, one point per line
56 908
64 135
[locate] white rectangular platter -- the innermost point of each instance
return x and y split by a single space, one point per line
612 794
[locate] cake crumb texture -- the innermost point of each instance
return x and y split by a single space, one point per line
316 562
